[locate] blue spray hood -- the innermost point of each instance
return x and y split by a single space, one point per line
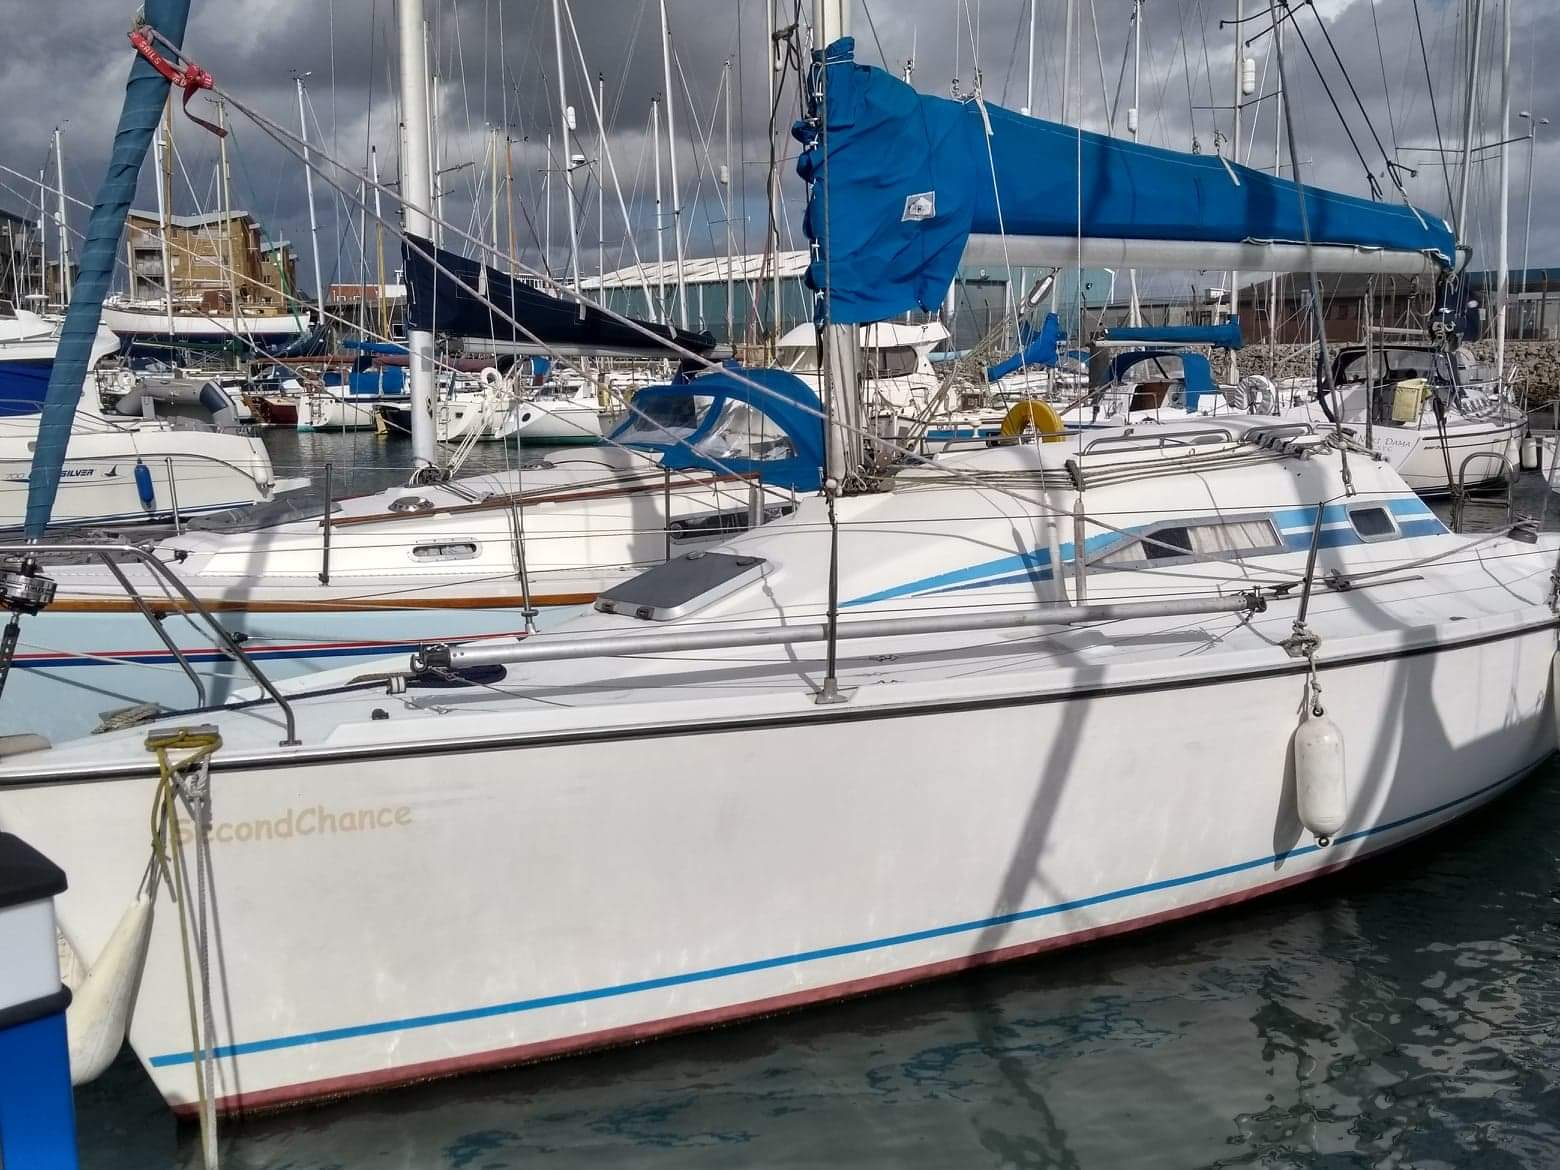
786 450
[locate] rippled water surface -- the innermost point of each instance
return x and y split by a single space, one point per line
1406 1014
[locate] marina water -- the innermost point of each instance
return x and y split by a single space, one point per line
1405 1014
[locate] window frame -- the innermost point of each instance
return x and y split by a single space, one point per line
1096 560
1394 531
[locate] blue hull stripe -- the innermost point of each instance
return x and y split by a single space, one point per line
1294 525
439 1019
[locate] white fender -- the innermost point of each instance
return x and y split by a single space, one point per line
100 1010
1321 792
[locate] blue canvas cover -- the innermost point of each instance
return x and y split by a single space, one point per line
1040 350
443 298
909 179
782 396
1225 336
146 91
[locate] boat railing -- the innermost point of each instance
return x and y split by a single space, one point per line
1469 501
1181 437
110 555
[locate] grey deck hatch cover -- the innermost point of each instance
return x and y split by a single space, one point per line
681 585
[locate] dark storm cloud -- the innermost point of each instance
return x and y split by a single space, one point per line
67 63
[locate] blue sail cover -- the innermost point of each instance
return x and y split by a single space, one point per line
909 179
452 294
1225 336
145 94
1040 350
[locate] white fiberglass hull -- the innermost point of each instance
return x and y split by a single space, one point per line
538 897
193 472
544 424
1475 452
331 412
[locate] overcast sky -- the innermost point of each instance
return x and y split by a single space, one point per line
67 61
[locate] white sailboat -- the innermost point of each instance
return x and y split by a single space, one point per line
1017 699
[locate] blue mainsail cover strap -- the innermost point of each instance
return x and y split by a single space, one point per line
909 179
1225 336
145 94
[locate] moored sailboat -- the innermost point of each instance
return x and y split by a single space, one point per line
941 715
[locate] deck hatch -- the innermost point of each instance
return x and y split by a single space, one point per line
681 585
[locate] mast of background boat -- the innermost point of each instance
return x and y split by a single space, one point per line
671 153
430 97
547 178
227 213
1029 87
308 188
660 243
43 238
601 189
1240 66
493 191
416 205
565 117
64 222
725 178
159 154
1502 247
1474 38
509 189
772 225
1067 40
379 242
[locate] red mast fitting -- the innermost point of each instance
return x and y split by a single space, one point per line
190 78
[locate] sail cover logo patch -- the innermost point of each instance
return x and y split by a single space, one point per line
919 207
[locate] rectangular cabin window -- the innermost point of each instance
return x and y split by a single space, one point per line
895 361
1373 523
1201 540
449 550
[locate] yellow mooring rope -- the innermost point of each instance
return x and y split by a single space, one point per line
173 787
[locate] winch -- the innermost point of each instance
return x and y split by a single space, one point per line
23 590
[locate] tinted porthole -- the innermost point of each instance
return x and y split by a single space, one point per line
1168 542
1371 522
